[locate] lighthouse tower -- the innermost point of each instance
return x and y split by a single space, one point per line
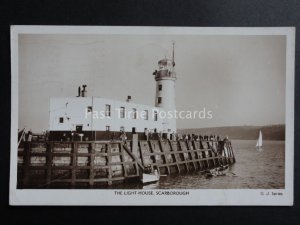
165 78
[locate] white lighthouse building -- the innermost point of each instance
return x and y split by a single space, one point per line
99 118
165 79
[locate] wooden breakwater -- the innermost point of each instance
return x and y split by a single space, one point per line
54 164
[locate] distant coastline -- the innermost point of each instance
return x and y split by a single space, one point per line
270 132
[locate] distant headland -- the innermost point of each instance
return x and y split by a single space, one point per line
270 132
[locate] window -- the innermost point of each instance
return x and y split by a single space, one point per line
61 119
107 110
89 109
159 99
107 128
122 128
155 115
78 128
133 113
146 114
122 112
160 87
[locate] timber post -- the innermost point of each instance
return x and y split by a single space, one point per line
92 163
49 159
26 163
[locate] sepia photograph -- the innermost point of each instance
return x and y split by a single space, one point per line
152 116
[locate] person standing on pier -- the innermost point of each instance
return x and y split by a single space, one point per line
160 135
147 134
29 139
123 136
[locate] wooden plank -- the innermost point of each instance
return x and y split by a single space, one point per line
232 152
224 157
172 164
133 157
165 157
69 154
208 156
141 153
32 167
153 155
62 167
38 154
49 163
203 154
226 153
135 144
62 154
175 152
183 155
136 168
211 155
190 150
109 175
74 164
196 153
26 163
214 152
123 160
87 180
229 154
92 163
174 157
200 155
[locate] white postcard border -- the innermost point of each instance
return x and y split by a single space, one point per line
196 196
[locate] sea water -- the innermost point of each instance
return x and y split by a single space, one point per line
253 170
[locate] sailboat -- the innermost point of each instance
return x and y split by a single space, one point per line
259 142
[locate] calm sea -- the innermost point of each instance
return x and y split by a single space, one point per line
253 169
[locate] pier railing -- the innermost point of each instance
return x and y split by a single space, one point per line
53 164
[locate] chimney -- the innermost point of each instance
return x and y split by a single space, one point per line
79 92
83 92
128 98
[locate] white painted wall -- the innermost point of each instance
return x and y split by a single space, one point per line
166 93
73 110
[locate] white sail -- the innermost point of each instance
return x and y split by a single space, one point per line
259 140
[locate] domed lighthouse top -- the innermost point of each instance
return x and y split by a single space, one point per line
165 78
166 68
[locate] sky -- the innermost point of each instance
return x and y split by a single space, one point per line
240 79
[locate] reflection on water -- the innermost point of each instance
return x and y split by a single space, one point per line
253 169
